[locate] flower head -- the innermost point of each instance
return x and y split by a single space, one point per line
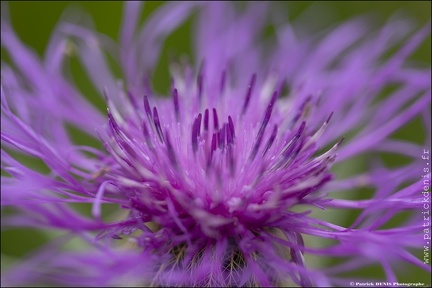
213 183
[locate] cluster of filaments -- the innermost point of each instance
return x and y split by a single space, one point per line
189 169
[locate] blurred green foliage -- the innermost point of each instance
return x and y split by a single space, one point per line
34 22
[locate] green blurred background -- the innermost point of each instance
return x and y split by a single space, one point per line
34 21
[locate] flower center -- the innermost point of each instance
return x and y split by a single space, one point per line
192 171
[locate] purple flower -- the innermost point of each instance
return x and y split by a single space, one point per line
217 184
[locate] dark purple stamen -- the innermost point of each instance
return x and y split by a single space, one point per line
147 107
127 162
290 146
212 148
157 124
145 130
291 156
257 145
271 139
269 109
170 150
340 141
291 150
249 93
195 133
125 145
199 118
329 118
229 135
215 120
263 126
231 126
200 80
222 137
214 142
176 105
206 119
113 123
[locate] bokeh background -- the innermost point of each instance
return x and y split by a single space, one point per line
34 21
